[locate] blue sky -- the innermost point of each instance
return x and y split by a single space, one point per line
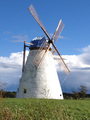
17 24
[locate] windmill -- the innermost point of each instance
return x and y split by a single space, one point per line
39 78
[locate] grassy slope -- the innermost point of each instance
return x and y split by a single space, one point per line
12 108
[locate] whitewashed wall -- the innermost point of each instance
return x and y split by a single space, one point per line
42 82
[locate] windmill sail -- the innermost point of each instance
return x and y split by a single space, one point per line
42 53
61 61
58 31
35 15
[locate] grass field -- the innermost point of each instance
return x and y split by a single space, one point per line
44 109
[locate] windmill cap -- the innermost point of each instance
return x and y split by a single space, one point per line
37 41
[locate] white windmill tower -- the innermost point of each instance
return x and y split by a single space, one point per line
39 78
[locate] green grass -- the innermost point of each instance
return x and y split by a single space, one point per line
44 109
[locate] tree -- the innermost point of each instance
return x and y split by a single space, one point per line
81 94
75 95
2 93
82 91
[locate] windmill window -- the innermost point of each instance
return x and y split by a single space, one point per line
25 90
60 95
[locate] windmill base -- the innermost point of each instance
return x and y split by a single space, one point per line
42 82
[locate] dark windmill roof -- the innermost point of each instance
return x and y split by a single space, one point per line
37 41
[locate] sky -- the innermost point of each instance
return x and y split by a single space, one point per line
18 25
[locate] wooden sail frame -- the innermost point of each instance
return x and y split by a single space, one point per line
37 61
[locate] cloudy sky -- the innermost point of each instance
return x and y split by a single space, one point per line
18 25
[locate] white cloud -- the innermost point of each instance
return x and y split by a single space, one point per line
79 65
20 38
11 68
79 71
7 32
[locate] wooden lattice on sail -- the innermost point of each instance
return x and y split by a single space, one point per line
42 52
